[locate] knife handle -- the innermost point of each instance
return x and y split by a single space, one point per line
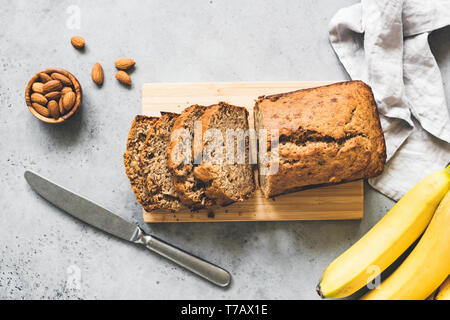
192 263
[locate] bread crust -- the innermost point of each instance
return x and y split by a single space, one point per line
328 134
136 138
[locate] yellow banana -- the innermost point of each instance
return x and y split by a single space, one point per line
387 240
431 296
427 265
444 290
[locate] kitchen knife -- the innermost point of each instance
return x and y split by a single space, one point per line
94 215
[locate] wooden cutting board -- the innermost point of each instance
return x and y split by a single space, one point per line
337 202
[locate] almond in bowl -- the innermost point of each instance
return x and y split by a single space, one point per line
53 95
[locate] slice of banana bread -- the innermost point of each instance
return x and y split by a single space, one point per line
154 164
181 156
326 135
136 137
225 169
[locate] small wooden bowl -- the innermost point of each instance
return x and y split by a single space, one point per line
77 90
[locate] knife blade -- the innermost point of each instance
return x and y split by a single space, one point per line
82 208
103 219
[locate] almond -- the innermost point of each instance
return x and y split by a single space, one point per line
39 98
43 111
52 85
64 80
124 63
77 42
68 100
66 89
53 109
38 87
61 107
123 77
54 95
44 77
97 73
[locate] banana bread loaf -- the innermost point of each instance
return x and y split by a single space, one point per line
136 137
191 191
328 134
226 179
153 161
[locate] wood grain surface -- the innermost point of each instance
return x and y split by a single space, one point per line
336 202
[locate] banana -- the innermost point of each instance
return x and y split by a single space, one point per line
427 265
431 296
387 240
444 291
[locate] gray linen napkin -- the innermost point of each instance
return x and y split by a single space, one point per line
385 44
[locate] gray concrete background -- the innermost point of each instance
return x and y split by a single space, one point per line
172 41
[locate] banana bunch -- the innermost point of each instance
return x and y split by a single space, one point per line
426 267
444 291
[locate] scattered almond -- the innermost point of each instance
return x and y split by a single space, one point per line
39 98
52 85
54 95
124 63
77 42
38 87
43 111
68 100
44 77
64 80
123 77
66 89
97 73
53 109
